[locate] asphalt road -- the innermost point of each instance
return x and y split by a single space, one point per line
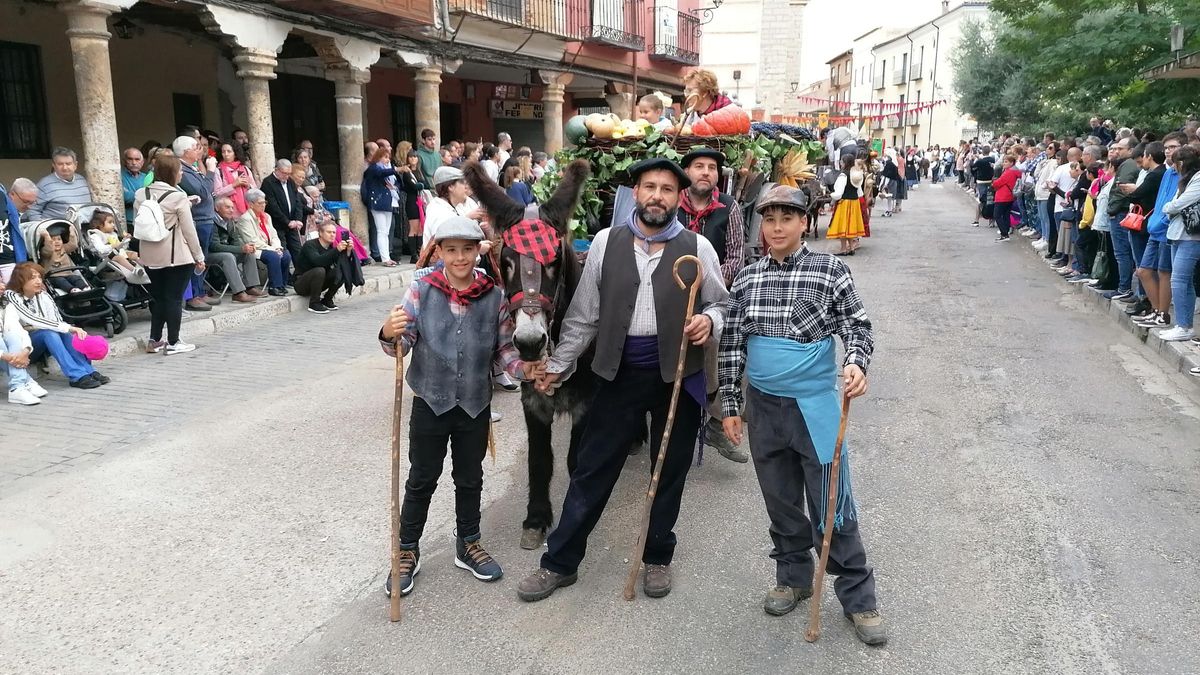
1026 471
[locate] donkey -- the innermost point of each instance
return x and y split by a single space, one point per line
538 293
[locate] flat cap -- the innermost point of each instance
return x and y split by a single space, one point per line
659 164
458 227
446 174
782 195
716 155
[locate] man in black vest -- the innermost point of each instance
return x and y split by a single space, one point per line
628 302
718 217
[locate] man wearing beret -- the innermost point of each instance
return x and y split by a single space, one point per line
628 304
718 217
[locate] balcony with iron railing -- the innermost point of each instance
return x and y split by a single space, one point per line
676 41
610 22
879 81
898 76
877 124
914 72
912 119
552 17
894 121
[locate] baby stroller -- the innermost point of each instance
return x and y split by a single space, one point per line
126 287
84 306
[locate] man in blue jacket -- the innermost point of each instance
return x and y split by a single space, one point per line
1154 270
199 187
12 246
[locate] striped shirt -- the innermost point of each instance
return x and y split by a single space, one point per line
56 196
38 312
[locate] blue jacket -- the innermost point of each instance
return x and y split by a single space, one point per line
376 194
130 184
200 185
14 226
1158 221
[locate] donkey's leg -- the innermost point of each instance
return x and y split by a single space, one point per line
539 514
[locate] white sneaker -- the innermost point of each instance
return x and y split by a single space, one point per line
23 396
35 389
506 383
1040 244
180 347
1176 334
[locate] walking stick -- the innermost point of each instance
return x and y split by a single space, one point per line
814 613
635 560
394 612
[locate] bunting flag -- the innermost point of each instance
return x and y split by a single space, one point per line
884 110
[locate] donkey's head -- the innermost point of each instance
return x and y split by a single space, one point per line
538 266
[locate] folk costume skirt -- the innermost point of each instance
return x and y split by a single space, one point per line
847 221
866 215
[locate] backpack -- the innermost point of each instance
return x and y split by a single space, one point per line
149 223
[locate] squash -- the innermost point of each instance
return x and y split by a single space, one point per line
703 128
593 119
576 130
603 127
728 121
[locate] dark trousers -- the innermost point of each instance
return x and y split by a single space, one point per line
1003 213
1086 244
1052 231
617 411
319 283
789 474
1109 281
428 435
204 232
291 241
166 293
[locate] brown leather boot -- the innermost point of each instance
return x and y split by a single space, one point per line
243 297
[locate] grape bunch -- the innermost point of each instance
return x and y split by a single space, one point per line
772 130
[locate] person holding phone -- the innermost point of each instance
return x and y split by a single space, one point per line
316 268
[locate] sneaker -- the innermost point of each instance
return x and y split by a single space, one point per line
317 308
1040 244
869 628
506 383
1093 282
542 584
330 305
1000 239
1079 279
1163 320
975 224
410 564
714 437
783 599
180 347
656 581
1138 308
36 389
471 556
1176 334
1148 315
156 346
1127 296
1194 371
23 396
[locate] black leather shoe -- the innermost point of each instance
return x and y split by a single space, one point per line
100 377
86 382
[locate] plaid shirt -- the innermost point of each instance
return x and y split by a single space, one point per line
506 354
735 232
807 297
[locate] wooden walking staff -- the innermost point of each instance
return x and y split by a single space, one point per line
394 611
635 560
814 613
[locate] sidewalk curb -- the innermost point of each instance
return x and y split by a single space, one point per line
194 327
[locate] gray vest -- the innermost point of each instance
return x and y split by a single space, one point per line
452 362
619 283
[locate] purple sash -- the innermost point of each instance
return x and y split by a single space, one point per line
641 351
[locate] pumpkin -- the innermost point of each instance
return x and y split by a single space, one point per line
603 127
593 119
703 128
728 121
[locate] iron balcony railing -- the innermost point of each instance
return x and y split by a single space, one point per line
610 22
898 76
879 83
914 72
553 17
677 41
894 121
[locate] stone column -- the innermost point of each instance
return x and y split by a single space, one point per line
428 100
348 93
87 28
257 68
552 108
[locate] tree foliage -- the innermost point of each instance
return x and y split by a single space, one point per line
1052 64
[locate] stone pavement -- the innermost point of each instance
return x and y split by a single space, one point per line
1027 475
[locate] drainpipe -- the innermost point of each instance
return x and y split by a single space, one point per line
937 45
907 86
873 88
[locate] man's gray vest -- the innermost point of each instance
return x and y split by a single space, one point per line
452 362
619 283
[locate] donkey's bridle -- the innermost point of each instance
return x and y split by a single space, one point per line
529 298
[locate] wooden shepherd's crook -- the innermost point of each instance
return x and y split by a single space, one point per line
635 559
814 613
394 611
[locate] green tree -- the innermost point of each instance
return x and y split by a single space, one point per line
978 79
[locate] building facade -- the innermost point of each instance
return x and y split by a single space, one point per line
100 75
753 48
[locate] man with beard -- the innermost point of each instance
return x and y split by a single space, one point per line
628 302
717 217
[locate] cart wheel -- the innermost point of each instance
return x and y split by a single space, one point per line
120 319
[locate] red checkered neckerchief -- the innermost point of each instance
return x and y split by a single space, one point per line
478 288
533 238
696 218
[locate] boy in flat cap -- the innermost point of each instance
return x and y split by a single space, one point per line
628 303
454 323
783 311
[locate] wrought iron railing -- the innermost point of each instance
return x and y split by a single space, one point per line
553 17
676 36
914 72
879 81
609 22
898 76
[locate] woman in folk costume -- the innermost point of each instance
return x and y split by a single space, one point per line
847 223
862 178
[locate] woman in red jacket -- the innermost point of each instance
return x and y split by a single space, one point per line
1003 187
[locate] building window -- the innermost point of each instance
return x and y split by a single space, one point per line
24 127
404 118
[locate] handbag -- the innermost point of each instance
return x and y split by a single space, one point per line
1135 220
1102 264
1191 219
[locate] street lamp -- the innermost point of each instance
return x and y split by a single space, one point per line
706 13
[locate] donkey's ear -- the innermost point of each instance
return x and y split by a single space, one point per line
501 210
558 209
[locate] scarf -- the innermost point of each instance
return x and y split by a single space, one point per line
719 102
696 218
667 234
807 372
478 288
229 173
262 225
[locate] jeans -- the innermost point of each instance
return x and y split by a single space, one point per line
58 346
17 377
166 309
1002 212
383 234
1040 214
317 284
277 267
428 435
204 232
1137 243
1123 252
1185 256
